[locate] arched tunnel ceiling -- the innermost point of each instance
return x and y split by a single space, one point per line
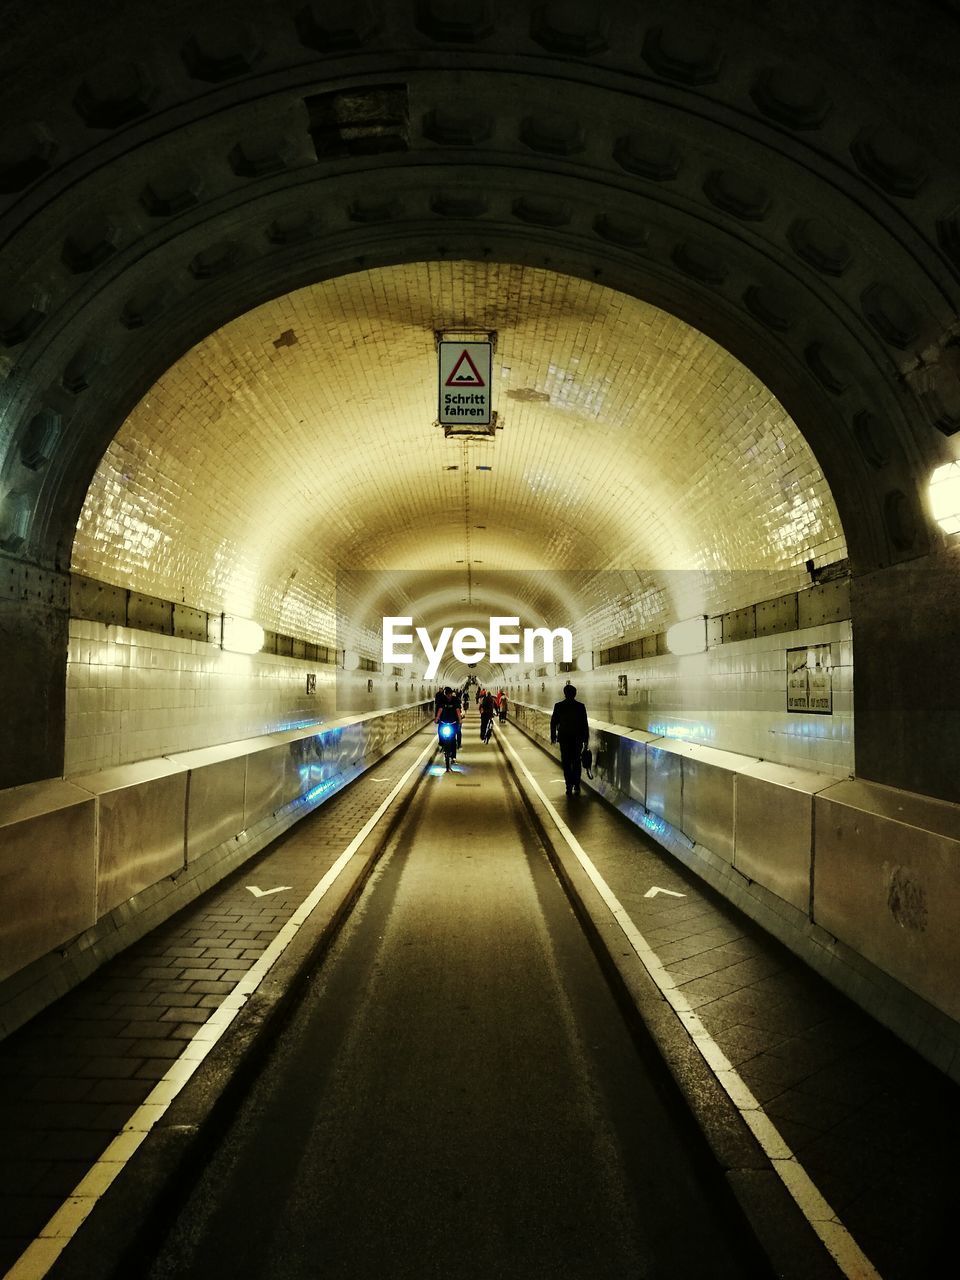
782 177
299 441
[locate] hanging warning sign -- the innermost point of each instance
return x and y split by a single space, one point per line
465 373
465 383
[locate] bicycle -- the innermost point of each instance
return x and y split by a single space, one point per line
447 732
487 731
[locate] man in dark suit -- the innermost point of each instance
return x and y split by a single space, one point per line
568 726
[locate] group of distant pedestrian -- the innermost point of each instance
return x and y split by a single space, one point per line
495 704
450 704
568 725
490 705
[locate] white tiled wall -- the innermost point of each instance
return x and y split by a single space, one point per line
733 697
132 695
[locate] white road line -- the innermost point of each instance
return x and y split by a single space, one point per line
838 1241
40 1255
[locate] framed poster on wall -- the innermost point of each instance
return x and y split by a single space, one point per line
810 679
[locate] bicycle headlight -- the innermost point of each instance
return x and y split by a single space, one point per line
447 730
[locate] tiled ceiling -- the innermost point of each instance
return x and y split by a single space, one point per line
641 472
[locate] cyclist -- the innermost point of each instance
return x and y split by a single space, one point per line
488 707
448 709
502 706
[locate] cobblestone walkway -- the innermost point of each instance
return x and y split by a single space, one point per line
71 1078
875 1126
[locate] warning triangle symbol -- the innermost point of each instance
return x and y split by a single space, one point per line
461 377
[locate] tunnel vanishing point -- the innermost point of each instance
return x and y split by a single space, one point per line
716 246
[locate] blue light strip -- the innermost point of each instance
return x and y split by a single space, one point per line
321 789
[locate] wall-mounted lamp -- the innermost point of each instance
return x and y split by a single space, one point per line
241 635
945 496
688 636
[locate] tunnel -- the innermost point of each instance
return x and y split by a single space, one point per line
712 252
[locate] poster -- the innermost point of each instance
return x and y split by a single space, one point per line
810 679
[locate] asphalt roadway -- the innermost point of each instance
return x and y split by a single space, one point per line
458 1095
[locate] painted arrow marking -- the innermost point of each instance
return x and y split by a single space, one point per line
262 893
652 893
